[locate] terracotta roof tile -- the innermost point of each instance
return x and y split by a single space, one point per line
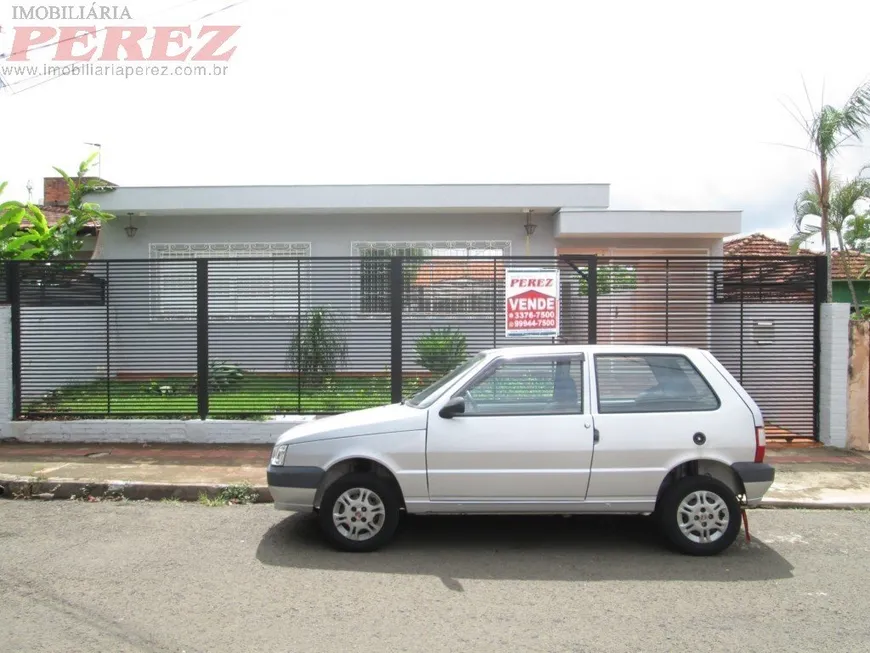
434 272
779 276
857 261
761 245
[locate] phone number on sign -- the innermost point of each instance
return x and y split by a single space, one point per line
531 324
533 315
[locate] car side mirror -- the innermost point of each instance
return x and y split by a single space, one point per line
452 408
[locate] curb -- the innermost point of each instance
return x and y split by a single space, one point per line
29 488
25 488
862 504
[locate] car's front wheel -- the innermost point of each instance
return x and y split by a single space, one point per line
700 515
359 512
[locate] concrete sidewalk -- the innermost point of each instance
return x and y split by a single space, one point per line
807 476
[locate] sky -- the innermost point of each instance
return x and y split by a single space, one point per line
678 105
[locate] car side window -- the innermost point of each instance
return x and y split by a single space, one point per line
653 383
538 386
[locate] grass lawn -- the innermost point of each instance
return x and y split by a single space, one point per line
250 396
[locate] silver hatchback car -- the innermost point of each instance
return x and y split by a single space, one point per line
530 430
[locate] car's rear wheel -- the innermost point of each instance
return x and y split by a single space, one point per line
359 512
699 515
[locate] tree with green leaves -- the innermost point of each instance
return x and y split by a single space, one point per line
857 234
843 202
24 230
828 129
611 279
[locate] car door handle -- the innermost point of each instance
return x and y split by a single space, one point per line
596 436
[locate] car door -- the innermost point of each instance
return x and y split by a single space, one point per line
525 434
647 410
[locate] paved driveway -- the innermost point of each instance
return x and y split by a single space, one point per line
159 577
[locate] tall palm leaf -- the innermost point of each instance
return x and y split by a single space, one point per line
828 129
843 199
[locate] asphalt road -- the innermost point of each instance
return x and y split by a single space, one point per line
159 577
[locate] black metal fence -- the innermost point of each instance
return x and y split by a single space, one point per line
242 337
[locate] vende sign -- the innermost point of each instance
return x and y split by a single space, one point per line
531 303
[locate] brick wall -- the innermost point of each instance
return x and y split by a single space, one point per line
834 374
56 192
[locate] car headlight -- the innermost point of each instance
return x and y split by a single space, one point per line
278 454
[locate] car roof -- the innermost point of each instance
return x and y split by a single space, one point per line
543 350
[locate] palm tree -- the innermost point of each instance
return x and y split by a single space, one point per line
828 129
842 198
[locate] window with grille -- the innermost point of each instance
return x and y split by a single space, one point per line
245 280
436 280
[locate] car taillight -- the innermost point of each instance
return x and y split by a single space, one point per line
760 442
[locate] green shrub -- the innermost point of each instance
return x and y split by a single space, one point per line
319 346
441 350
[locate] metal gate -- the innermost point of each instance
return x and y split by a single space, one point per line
135 338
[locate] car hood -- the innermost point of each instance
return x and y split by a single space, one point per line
384 419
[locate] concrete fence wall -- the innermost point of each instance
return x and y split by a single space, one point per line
835 422
833 375
129 430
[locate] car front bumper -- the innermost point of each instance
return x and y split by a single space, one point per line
756 478
294 488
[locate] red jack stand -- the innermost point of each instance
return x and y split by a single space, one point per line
745 524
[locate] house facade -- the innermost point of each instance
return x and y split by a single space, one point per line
333 221
277 253
367 224
149 307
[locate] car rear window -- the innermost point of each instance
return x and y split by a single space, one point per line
651 383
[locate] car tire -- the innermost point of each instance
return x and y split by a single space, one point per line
682 511
353 506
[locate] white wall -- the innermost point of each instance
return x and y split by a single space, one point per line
141 343
151 430
5 368
649 246
329 235
834 374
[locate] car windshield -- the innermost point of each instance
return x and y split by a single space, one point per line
430 393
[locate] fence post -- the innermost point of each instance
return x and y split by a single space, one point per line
396 296
592 286
820 285
202 337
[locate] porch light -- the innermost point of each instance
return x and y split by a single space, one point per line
530 227
130 229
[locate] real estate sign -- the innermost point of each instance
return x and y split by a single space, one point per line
531 303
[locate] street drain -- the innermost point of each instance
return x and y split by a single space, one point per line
97 454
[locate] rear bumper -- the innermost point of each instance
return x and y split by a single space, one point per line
294 488
756 478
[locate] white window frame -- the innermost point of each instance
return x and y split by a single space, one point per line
444 248
228 251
